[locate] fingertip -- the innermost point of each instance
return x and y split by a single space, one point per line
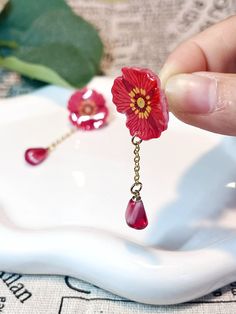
203 100
168 70
188 57
191 93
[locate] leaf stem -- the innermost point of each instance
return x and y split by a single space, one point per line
34 71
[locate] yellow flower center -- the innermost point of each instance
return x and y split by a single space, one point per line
140 102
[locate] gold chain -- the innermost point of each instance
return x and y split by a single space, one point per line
61 139
137 186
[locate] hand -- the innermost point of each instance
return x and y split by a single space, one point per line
199 81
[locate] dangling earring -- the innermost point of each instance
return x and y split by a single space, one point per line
87 111
137 94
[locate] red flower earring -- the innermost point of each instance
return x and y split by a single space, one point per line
87 111
137 94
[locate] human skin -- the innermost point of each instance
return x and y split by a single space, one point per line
200 81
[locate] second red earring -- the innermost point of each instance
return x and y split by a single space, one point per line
87 111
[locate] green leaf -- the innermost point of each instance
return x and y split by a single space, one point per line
40 72
20 14
52 54
49 36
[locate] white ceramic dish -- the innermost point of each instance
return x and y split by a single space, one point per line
66 216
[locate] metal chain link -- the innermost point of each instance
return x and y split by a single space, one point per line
61 139
137 186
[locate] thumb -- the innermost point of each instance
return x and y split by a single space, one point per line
204 99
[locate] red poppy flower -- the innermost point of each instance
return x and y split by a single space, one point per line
137 93
88 110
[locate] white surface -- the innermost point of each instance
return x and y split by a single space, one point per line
66 216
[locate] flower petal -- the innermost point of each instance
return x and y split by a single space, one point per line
75 99
98 99
142 128
146 107
141 78
79 117
120 95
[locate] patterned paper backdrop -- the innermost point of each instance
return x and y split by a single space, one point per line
135 32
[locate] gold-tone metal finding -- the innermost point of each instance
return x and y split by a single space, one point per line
61 139
137 186
136 140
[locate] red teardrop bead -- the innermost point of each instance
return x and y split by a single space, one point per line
34 156
135 215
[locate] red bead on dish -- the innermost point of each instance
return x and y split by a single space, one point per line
88 110
138 94
35 156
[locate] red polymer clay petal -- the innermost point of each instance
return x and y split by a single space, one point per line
133 123
141 78
159 108
79 96
87 122
159 114
136 126
92 122
97 98
120 95
156 122
75 99
131 75
127 85
142 128
104 110
149 81
155 97
151 127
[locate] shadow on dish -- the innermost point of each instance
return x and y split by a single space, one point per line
204 208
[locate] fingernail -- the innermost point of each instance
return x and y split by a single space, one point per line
192 93
167 71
